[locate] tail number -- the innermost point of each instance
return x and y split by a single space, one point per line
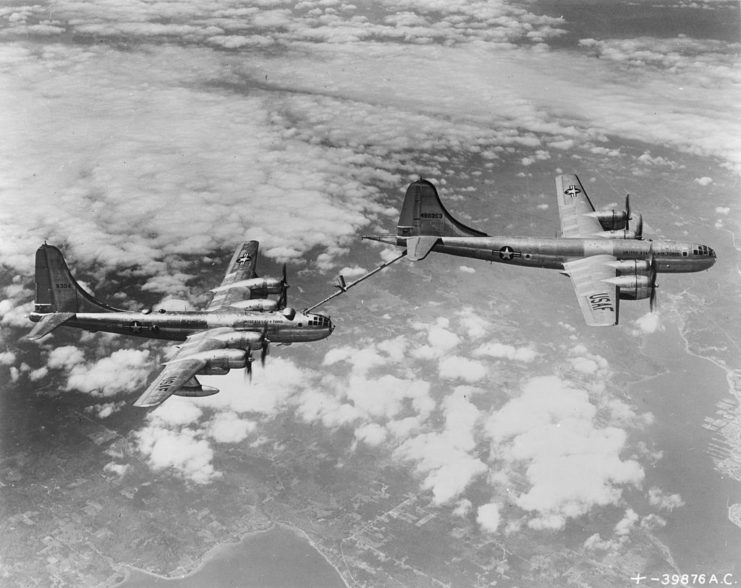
60 286
600 302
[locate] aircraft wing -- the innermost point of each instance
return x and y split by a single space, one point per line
574 208
180 371
597 298
171 379
241 267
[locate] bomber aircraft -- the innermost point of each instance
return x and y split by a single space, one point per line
603 252
239 319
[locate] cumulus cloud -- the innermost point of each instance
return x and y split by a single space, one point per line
227 427
455 367
447 469
571 464
180 450
473 322
65 357
488 517
13 313
648 323
498 350
657 497
372 434
7 358
125 370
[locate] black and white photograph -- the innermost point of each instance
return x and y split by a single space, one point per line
370 293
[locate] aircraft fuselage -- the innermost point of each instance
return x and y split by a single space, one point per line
552 253
177 326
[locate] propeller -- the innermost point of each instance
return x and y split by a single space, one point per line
283 300
248 367
652 271
265 345
627 210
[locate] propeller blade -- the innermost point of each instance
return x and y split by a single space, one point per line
652 271
248 368
283 300
265 345
627 208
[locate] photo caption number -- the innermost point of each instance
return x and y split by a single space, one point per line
726 579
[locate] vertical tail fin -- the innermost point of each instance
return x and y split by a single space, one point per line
423 214
57 290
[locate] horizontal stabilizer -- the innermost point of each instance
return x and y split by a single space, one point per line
419 247
48 323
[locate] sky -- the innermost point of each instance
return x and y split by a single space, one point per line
147 138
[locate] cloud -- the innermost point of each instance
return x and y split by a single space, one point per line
372 434
352 272
463 507
571 464
116 469
473 323
455 367
657 497
177 411
703 181
125 370
447 470
504 351
267 393
15 314
229 428
65 357
106 409
648 323
180 450
488 517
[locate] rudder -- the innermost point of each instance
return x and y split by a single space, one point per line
57 290
423 214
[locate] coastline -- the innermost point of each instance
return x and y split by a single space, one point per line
686 396
208 555
304 535
227 548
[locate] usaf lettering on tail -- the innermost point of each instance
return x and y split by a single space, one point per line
603 252
240 319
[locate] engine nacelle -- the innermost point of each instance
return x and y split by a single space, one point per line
260 304
632 287
631 267
618 234
265 286
239 341
257 286
213 371
218 362
612 220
